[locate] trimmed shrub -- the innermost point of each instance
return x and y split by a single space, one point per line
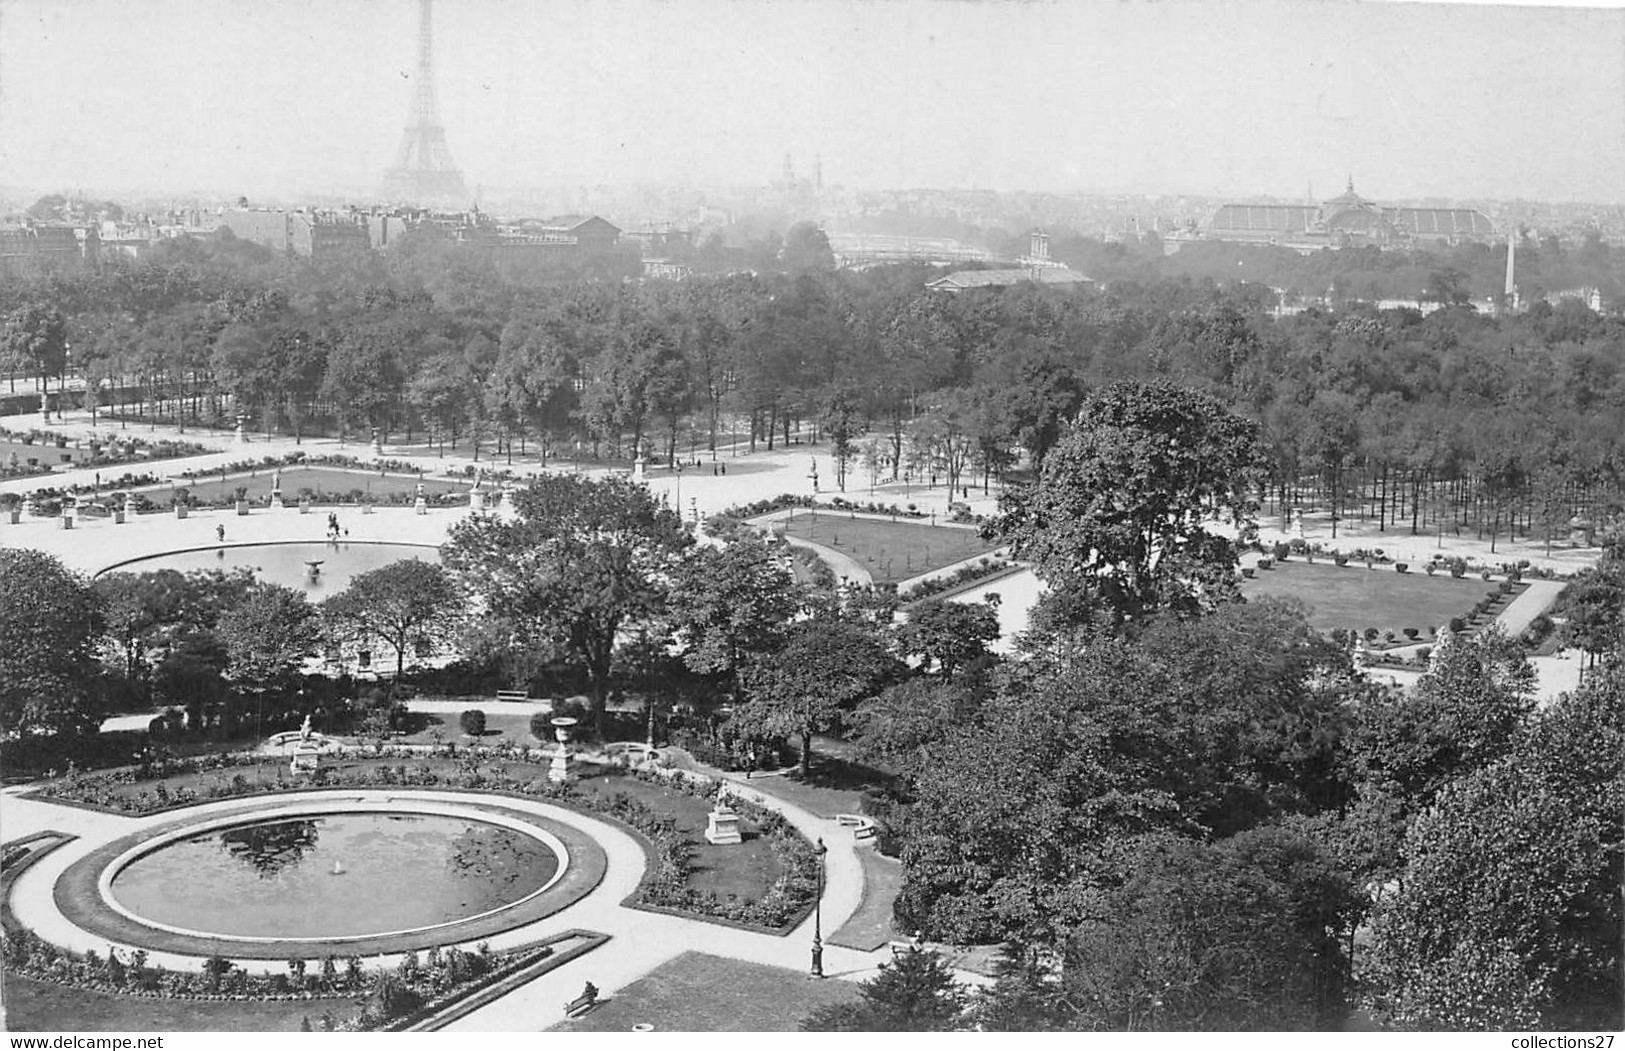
1423 654
472 722
1402 567
1265 563
541 726
1457 624
1431 568
1411 633
1370 634
1281 551
1458 567
1341 560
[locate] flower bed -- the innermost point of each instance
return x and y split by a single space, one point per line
982 567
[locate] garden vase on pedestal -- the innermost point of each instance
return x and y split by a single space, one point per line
559 770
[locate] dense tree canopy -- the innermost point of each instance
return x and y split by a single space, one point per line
1507 913
50 622
1122 504
410 605
583 561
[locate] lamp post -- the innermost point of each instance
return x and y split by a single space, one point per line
818 906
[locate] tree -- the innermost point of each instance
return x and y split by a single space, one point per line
50 621
1244 933
1595 605
1204 726
1465 713
1121 503
901 728
840 421
411 605
36 336
582 562
947 636
914 993
268 637
807 250
149 614
1507 912
730 604
825 667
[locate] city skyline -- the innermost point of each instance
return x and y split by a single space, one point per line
298 98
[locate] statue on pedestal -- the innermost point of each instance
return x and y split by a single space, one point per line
722 824
476 499
420 503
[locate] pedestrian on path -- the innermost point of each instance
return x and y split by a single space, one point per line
220 533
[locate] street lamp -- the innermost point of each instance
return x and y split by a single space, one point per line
818 905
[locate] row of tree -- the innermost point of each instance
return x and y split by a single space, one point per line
1420 424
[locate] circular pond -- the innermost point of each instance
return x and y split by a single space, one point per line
332 875
288 564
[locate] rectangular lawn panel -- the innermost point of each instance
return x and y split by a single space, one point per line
1357 598
323 483
33 1006
890 551
697 993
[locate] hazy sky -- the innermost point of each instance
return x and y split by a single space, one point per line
1251 97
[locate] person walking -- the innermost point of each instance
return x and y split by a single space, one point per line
220 533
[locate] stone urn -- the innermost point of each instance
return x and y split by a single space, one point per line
559 769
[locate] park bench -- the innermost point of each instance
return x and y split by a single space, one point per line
583 1003
898 948
513 695
862 827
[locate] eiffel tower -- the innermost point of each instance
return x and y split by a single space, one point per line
423 172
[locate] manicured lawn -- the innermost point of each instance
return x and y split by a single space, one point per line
872 925
35 1006
1358 598
746 869
890 551
515 726
320 481
696 993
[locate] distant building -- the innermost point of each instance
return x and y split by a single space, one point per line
1346 220
33 245
666 270
307 233
859 251
658 239
960 280
573 234
1590 295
